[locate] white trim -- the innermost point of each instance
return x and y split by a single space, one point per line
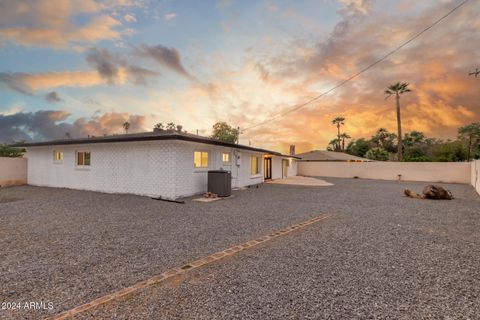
55 161
208 160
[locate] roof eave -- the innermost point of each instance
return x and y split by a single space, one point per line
121 138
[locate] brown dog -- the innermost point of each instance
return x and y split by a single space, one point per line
431 192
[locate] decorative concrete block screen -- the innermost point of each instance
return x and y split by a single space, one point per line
476 175
454 172
13 171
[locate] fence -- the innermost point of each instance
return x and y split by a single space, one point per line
453 172
475 175
13 171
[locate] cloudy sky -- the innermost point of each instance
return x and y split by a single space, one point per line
86 66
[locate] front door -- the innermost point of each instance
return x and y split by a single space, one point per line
284 168
268 168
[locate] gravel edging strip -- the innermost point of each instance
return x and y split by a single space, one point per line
189 266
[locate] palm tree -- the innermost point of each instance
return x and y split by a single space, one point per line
397 89
334 145
471 133
344 136
126 126
339 121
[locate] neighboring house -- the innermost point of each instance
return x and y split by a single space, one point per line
323 155
163 164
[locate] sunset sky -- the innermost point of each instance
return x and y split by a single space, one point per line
85 67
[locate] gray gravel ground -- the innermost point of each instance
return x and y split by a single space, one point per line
383 256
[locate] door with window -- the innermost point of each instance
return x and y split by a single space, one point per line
284 168
268 168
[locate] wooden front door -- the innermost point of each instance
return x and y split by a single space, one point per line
267 168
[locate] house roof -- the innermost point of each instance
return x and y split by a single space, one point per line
323 155
145 136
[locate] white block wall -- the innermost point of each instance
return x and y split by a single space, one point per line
143 168
456 172
13 171
153 168
190 180
277 167
292 169
475 175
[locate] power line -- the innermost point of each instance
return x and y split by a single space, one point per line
299 106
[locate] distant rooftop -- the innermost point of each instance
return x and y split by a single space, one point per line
144 136
323 155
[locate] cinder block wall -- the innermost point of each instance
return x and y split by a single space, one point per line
13 171
454 172
475 175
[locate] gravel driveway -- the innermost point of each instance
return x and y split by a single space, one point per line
382 256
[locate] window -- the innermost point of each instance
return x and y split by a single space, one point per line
226 157
254 165
57 156
200 159
83 158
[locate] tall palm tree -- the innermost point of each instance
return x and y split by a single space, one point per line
126 126
344 136
338 121
397 89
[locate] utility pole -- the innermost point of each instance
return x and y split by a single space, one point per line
238 137
475 73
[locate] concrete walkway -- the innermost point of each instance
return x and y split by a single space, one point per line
301 181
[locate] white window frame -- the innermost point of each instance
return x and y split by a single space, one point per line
82 166
201 168
229 155
259 168
55 152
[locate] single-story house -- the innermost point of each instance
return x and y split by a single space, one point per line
324 155
164 164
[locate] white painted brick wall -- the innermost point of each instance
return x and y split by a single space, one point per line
143 168
192 181
152 168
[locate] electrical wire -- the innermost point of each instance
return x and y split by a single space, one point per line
299 106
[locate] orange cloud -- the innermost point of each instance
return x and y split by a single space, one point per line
49 80
51 22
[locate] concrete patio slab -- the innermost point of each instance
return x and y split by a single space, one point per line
301 181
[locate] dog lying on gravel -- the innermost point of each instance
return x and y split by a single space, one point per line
431 192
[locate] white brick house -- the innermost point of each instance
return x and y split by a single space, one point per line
166 164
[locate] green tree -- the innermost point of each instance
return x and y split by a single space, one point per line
416 147
415 154
224 132
414 138
378 154
450 151
6 151
358 147
334 145
398 89
384 139
471 135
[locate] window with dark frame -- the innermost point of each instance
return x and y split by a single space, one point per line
83 158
